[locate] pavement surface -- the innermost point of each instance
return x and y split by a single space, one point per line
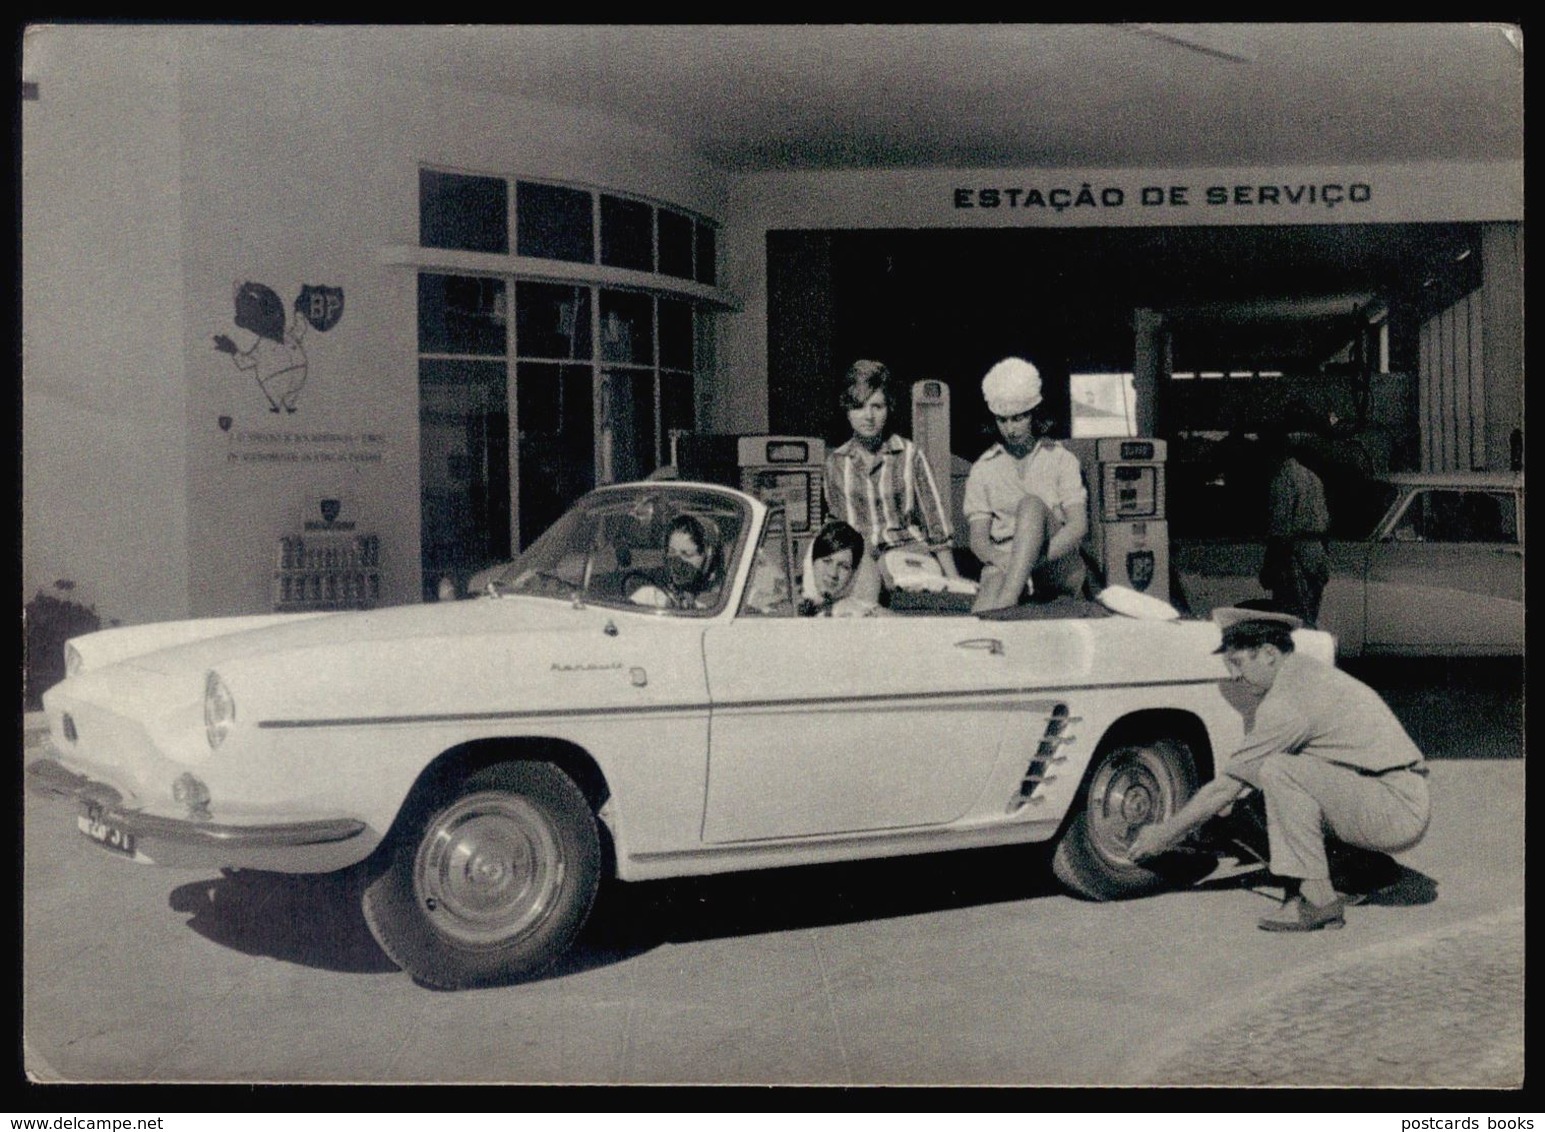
965 968
1441 1009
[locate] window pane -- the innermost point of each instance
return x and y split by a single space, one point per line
628 415
707 255
464 469
1356 506
1460 516
678 410
552 222
556 418
1104 404
461 314
627 233
770 591
458 211
552 321
1505 508
675 244
627 328
675 334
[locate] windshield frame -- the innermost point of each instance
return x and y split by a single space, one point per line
672 499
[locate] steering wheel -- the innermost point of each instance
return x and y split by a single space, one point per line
635 580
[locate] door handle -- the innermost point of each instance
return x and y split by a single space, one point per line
1512 551
991 644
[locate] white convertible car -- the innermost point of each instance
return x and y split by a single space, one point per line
488 760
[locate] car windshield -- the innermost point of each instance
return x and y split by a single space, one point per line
654 547
1357 505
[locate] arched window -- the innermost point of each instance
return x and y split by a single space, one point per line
568 363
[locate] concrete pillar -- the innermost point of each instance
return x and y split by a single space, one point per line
1502 337
801 371
1149 367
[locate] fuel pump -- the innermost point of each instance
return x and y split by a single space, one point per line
931 433
787 470
1130 535
931 429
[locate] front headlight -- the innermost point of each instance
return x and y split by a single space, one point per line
219 709
73 664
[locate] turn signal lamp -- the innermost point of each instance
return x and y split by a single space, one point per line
219 709
73 664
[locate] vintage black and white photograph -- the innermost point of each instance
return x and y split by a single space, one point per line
811 554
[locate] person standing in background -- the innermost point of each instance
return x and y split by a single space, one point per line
1296 566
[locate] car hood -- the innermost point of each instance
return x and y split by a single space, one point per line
407 660
445 622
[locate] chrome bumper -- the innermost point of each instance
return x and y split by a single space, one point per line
316 845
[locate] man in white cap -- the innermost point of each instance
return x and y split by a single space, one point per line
1025 500
1327 754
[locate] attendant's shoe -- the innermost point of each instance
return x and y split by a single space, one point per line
1298 915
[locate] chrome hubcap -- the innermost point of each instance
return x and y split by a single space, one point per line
489 868
1136 804
1130 791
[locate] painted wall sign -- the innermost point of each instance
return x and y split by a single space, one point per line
1437 192
322 307
1327 195
276 357
275 446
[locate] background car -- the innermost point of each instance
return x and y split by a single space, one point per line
1421 564
489 760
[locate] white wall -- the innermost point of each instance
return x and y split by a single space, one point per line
1452 389
104 468
1502 338
1470 372
179 168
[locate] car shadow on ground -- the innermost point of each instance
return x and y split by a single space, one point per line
1405 887
316 920
310 920
640 915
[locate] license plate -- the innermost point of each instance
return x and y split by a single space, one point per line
104 833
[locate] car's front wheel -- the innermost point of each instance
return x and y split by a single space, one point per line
1132 785
492 884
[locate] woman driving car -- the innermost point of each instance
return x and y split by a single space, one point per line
692 571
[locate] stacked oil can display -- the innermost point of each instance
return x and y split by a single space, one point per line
325 570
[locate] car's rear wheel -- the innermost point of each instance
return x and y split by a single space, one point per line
1132 785
492 884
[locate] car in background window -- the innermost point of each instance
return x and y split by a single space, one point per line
488 761
1422 564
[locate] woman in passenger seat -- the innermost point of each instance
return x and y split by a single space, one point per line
831 570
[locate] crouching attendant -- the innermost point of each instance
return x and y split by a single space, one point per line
1327 754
